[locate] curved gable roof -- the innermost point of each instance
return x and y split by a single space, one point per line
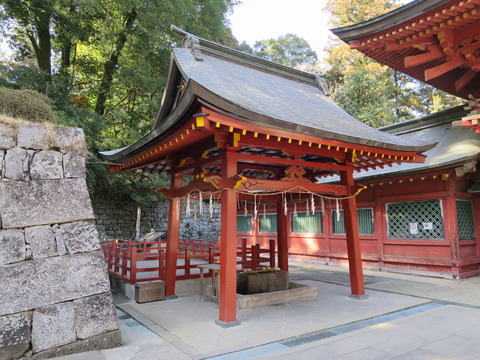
256 91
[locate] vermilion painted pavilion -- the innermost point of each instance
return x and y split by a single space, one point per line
248 128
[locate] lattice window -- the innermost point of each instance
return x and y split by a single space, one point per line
465 220
304 223
268 223
415 220
365 222
244 223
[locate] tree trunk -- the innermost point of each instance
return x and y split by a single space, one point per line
42 44
111 65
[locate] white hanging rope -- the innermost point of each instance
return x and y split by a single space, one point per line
313 204
210 204
189 210
337 209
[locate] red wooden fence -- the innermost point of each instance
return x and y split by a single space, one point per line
145 260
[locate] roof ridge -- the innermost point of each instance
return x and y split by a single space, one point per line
425 121
198 46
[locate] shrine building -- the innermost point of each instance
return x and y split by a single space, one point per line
425 216
259 137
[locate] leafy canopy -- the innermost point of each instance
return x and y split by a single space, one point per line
290 50
103 64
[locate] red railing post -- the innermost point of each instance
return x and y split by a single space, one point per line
187 261
133 265
115 260
211 255
161 264
272 253
255 256
124 264
244 252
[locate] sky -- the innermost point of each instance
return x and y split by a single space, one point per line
264 19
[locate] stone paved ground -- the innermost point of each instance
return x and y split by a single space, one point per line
405 317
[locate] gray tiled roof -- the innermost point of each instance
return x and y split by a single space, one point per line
277 101
256 91
456 146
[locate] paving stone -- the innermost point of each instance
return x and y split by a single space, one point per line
12 246
103 341
47 164
94 315
53 326
41 241
42 202
15 335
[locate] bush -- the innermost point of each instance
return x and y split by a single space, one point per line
26 104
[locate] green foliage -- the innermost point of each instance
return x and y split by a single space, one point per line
362 95
398 93
106 55
26 104
349 12
290 50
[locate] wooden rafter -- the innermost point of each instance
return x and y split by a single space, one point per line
448 38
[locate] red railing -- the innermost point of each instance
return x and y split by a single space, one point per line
145 261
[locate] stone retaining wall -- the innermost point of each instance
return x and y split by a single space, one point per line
55 294
117 220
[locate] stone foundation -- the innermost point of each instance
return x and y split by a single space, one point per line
295 292
55 297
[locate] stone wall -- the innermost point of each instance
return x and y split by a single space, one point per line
55 295
117 220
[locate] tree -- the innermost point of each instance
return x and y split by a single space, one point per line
104 65
290 50
403 95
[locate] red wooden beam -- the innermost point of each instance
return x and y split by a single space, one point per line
275 185
437 71
465 79
423 58
259 159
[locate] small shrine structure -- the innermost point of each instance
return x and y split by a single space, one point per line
242 128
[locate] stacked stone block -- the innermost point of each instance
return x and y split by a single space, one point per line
117 220
55 297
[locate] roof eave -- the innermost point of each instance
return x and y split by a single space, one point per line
385 21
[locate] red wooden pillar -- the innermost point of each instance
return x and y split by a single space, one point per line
353 238
282 236
450 225
173 233
228 250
